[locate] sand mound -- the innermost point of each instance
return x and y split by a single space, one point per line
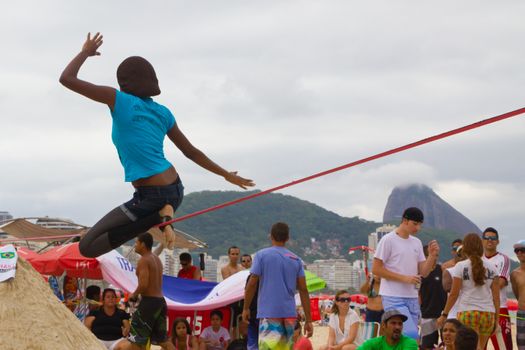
32 318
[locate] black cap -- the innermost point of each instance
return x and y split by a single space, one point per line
414 214
392 313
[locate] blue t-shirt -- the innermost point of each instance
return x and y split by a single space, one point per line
278 270
139 128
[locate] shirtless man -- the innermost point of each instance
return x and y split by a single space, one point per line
231 269
517 279
149 321
233 266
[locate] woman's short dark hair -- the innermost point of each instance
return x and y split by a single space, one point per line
108 290
455 322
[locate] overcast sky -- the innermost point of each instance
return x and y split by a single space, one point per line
277 90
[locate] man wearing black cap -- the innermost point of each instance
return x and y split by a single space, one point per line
400 262
392 326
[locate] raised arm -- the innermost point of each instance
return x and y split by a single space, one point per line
102 94
425 267
198 157
365 287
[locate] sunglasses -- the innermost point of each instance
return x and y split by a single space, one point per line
491 238
343 300
245 261
519 250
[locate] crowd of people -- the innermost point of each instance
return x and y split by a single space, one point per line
467 294
419 303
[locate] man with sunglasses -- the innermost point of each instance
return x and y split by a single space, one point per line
400 262
502 338
517 279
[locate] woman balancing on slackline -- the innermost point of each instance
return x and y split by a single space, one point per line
139 127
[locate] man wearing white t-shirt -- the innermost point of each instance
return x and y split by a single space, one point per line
400 262
502 338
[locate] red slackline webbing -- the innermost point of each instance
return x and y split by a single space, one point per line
342 167
357 162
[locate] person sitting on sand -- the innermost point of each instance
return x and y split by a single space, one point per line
214 337
448 333
343 323
108 323
181 335
139 128
392 338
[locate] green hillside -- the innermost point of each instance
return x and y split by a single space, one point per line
247 225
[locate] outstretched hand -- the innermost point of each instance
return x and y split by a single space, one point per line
235 179
91 46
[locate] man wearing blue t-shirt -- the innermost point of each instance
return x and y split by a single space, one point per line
279 273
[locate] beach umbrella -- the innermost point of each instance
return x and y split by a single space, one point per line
359 298
26 253
67 258
313 282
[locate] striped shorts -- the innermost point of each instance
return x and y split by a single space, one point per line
520 330
480 321
276 333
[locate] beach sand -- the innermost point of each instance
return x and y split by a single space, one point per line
32 317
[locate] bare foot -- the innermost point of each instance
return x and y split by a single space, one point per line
168 233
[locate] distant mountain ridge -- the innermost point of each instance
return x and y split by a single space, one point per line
438 213
316 233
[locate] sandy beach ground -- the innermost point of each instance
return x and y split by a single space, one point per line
321 335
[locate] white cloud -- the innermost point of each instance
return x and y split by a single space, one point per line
276 90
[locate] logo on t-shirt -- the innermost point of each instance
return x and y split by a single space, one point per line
466 277
291 256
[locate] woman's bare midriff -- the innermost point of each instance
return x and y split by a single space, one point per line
165 178
375 304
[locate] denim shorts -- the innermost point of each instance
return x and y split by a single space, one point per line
150 199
